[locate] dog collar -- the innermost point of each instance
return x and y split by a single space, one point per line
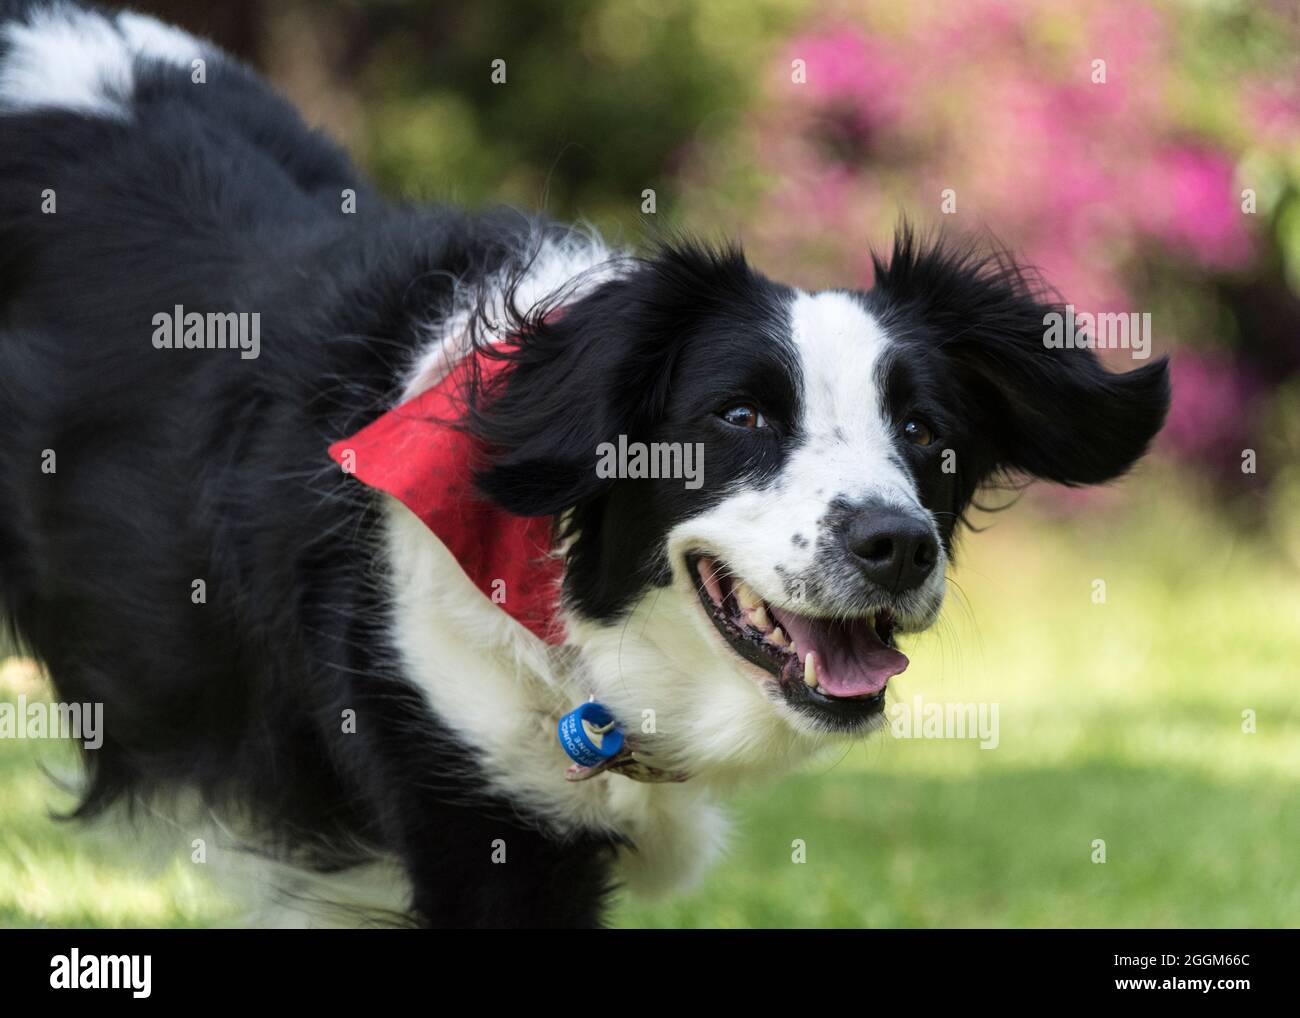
595 743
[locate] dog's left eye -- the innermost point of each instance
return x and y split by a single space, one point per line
742 415
917 433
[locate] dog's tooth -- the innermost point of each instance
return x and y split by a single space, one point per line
810 670
760 618
777 636
712 585
747 598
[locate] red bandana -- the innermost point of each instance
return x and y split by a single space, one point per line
415 454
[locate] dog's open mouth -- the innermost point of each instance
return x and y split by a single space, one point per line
845 662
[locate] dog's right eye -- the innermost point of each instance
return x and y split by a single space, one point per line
742 415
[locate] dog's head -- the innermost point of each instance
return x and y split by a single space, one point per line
760 486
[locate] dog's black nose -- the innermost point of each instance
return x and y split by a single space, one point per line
894 548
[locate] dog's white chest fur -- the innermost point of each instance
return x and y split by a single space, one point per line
502 690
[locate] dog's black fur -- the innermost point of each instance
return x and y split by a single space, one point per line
172 467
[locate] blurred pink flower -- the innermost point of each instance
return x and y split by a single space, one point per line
1187 200
850 70
1214 407
992 103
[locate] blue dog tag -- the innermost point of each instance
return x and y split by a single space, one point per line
581 748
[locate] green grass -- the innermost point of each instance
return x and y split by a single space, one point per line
64 873
1119 721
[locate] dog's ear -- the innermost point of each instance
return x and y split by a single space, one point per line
1052 412
592 370
546 413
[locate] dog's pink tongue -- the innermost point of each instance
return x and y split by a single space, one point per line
851 659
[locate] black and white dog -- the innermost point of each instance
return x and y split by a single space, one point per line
235 510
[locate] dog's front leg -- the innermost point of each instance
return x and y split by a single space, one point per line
474 857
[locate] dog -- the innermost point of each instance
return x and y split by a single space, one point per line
458 546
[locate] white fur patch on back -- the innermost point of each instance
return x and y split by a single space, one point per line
151 38
64 57
568 268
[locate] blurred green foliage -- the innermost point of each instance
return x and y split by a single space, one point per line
600 100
